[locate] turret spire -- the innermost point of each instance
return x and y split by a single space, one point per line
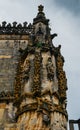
40 16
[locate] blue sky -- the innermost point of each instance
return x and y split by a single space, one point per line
65 21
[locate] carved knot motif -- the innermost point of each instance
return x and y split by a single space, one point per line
62 81
50 69
37 75
25 70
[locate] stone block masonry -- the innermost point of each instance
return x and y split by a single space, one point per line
9 56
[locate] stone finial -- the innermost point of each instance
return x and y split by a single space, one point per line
14 24
40 8
4 24
25 24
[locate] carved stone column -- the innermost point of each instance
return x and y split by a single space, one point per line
40 87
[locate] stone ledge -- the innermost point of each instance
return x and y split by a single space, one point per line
14 37
5 56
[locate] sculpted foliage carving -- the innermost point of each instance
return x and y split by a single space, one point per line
37 74
50 69
25 70
62 81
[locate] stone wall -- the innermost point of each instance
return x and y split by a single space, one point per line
9 57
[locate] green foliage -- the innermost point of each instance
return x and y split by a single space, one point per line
39 44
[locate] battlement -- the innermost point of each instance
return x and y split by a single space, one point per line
15 28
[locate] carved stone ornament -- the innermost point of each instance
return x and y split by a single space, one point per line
62 81
6 95
15 28
46 119
37 74
50 69
25 70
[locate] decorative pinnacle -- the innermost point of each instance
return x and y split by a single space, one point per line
40 8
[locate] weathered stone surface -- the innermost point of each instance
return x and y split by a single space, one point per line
9 55
32 80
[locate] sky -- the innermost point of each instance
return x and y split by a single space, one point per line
64 18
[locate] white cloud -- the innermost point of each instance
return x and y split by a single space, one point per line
67 26
70 39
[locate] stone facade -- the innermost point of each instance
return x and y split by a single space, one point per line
9 56
33 82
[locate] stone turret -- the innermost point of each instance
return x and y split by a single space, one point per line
39 99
